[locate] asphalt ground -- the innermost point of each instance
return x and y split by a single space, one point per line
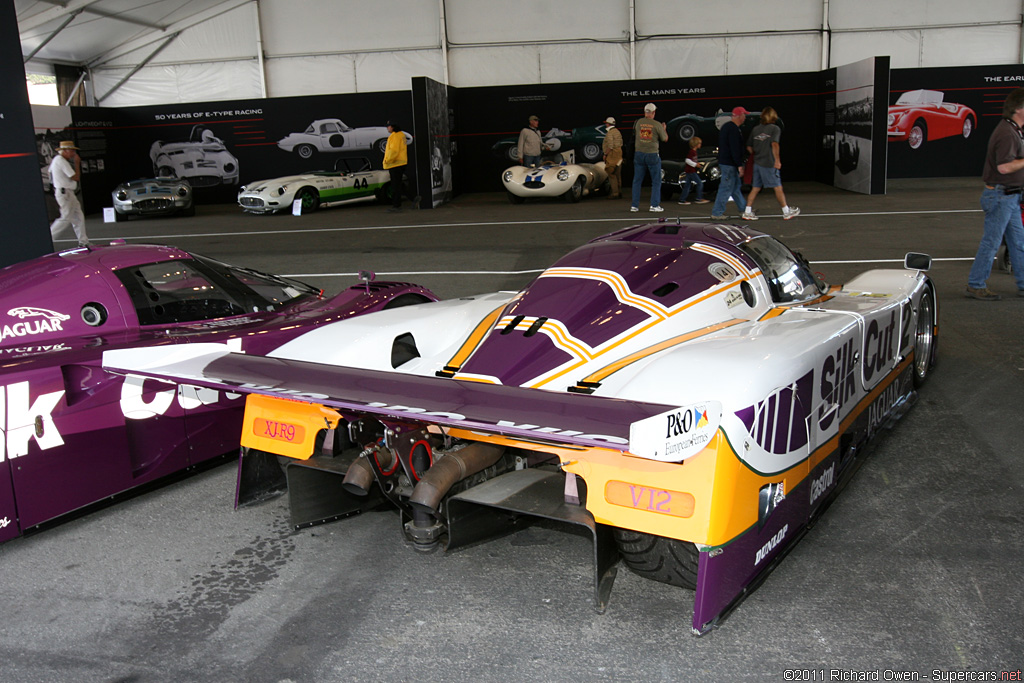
915 571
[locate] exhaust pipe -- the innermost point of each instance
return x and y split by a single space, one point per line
452 468
359 476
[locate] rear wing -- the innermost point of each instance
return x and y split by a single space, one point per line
531 414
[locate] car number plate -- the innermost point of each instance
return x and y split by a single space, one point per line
279 431
675 503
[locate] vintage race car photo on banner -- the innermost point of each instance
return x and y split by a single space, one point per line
920 116
673 172
153 197
585 141
689 396
352 180
332 135
557 176
203 160
76 435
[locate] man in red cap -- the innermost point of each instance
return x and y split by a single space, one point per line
730 161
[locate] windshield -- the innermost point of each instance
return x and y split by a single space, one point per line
789 276
188 291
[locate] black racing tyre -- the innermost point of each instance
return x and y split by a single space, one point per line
310 199
305 151
924 337
514 198
574 193
512 154
655 557
120 217
918 134
188 211
381 145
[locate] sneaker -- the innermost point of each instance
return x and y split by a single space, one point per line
634 209
656 209
792 213
749 216
703 201
982 294
717 218
684 203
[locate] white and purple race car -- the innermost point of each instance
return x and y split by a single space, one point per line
75 435
690 396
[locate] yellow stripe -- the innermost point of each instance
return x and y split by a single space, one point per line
474 339
608 370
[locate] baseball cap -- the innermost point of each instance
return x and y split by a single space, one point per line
534 118
610 121
739 111
649 107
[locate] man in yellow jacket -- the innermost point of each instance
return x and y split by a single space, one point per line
396 158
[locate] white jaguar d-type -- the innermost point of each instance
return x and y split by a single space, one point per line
558 176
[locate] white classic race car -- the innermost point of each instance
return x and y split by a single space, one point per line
332 135
559 176
203 160
352 180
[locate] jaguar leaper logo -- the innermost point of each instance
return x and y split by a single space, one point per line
36 321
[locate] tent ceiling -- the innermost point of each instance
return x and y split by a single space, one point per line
151 51
86 31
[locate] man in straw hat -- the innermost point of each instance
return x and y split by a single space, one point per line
65 177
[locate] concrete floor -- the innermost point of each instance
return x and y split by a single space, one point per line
916 568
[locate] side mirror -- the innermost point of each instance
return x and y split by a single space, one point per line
919 262
367 277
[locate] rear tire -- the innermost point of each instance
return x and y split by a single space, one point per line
574 193
662 559
924 338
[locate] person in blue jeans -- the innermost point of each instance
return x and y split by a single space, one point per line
647 133
691 173
730 161
1003 175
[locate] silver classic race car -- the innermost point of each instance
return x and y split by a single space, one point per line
352 180
153 197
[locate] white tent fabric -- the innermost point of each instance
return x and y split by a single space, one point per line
163 51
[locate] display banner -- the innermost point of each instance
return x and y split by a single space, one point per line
434 116
572 115
852 126
940 119
220 146
25 232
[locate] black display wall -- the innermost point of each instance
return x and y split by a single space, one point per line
434 117
223 145
945 98
25 226
490 118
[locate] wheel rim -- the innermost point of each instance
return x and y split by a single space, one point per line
304 151
591 151
924 336
512 153
307 200
686 131
916 137
968 127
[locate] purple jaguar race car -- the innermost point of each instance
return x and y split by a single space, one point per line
74 434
